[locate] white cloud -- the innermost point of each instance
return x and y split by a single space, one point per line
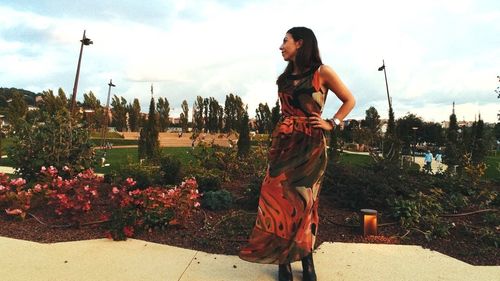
213 48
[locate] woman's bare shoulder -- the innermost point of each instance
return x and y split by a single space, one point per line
326 70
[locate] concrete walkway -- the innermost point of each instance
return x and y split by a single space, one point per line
137 260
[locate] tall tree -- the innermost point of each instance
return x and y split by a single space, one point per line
478 147
184 115
134 115
198 121
52 103
452 152
372 124
17 109
263 118
220 121
372 120
347 134
91 102
213 114
233 112
163 107
149 145
275 114
119 110
244 137
391 124
405 131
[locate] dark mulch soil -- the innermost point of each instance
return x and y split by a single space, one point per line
224 232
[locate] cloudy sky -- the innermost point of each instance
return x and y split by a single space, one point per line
435 52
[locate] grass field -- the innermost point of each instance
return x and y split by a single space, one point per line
118 157
355 159
493 167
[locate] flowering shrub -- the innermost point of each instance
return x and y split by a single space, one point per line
153 207
14 199
73 197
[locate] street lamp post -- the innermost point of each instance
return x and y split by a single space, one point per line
106 115
386 84
414 141
85 41
390 125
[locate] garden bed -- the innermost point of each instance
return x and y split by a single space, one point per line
224 232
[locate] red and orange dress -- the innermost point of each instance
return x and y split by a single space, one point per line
287 217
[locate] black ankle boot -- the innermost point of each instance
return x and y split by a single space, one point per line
285 272
308 273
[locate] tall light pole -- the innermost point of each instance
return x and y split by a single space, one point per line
85 41
414 141
390 125
106 115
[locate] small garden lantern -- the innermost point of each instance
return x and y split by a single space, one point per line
369 222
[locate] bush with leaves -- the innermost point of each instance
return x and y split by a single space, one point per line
217 200
15 198
170 170
58 142
225 162
70 198
154 207
209 182
144 175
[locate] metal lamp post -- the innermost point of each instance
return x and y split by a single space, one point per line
386 84
106 115
414 141
85 41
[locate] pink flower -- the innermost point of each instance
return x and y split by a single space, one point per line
130 181
128 231
14 212
135 192
197 204
2 188
191 182
43 169
18 182
115 190
37 188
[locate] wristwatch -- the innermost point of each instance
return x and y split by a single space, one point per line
334 122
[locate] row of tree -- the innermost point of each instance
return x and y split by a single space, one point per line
208 115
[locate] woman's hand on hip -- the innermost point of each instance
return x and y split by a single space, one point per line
318 122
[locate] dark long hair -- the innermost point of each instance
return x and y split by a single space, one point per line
307 55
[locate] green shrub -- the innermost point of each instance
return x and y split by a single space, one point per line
217 200
209 182
170 170
58 141
144 175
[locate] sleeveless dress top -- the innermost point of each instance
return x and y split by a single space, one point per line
287 218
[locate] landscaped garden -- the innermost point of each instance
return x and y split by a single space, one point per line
205 197
161 203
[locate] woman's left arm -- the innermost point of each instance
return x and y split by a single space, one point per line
330 80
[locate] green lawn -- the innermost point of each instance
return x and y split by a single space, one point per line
115 141
118 157
493 167
355 159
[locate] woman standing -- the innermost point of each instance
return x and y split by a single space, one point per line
287 218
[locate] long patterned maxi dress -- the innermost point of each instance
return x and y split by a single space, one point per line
287 217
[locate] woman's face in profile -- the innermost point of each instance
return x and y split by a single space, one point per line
289 48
